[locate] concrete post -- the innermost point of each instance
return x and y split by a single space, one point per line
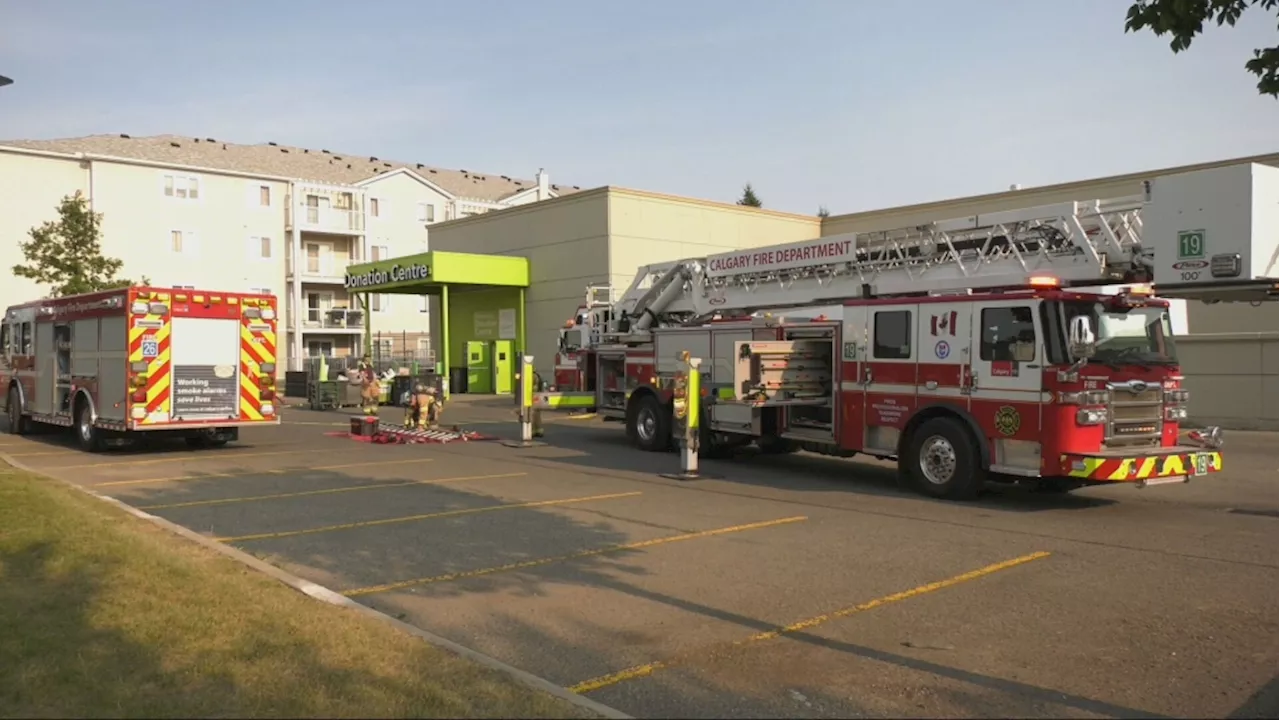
530 419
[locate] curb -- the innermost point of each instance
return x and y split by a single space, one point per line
324 594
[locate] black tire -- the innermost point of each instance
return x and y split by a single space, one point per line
649 425
88 436
18 425
943 461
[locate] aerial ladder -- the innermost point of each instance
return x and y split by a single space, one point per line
1185 237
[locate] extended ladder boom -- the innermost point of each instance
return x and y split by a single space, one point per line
1215 238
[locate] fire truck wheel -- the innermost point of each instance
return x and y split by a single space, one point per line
87 435
942 460
18 425
650 427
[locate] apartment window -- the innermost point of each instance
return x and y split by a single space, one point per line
426 213
318 305
183 187
892 335
1008 335
183 242
316 207
264 195
382 347
259 248
424 347
375 207
343 201
314 260
378 252
379 302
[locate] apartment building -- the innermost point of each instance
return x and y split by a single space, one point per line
186 211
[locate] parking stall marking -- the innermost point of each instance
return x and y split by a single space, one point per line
372 589
425 516
647 669
250 473
330 491
186 457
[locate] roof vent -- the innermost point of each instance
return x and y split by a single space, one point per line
196 139
126 137
338 157
373 159
386 164
504 177
272 144
348 166
419 166
284 150
224 146
326 152
575 187
304 150
174 144
432 171
210 140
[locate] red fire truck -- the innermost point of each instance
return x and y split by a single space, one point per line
1019 346
141 360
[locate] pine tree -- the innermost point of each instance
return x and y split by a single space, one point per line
749 198
66 254
823 212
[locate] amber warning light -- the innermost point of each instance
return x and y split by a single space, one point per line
1043 281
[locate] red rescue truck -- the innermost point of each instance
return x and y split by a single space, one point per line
1018 346
141 360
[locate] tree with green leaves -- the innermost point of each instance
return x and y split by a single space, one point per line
1183 20
823 212
749 198
66 254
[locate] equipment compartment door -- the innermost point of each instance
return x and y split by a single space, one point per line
205 357
504 366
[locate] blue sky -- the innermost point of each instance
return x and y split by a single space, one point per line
851 104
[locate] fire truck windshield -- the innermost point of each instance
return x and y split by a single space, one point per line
1128 335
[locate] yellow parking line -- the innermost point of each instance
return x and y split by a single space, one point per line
640 671
572 556
248 473
191 456
329 491
427 516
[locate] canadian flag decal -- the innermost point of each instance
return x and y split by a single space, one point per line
945 322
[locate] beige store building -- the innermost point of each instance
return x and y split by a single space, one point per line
605 234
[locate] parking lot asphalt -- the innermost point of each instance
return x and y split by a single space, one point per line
776 587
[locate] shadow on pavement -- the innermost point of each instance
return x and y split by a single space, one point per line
605 446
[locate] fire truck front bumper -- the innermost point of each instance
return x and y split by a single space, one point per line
1170 465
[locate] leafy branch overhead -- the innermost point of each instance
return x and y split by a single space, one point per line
1183 20
66 254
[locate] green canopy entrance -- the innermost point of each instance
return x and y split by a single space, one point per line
481 298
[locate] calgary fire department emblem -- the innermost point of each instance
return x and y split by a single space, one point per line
1008 420
944 324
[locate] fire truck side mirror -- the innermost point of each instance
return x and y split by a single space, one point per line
1080 339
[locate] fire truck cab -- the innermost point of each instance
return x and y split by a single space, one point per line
140 362
968 350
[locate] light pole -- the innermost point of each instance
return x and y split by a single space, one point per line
5 81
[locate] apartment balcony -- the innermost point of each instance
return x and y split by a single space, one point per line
332 273
334 210
337 320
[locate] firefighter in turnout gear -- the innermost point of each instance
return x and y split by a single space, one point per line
422 409
370 388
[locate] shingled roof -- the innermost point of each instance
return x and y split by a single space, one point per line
317 165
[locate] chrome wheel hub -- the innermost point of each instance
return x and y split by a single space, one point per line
937 460
646 425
